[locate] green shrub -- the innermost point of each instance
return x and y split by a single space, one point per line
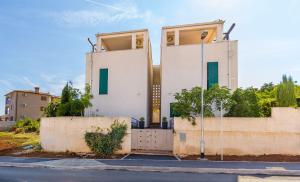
106 143
27 125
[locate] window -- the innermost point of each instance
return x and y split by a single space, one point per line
43 98
103 81
6 110
212 74
170 38
24 105
24 94
8 100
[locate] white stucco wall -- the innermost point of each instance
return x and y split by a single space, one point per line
128 82
61 134
181 68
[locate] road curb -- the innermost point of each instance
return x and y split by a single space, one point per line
160 169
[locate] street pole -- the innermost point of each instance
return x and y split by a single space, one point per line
202 143
222 150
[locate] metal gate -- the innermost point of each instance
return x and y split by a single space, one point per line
152 139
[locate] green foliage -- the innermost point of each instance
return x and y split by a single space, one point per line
106 143
217 95
51 109
27 125
87 96
72 102
285 93
266 98
142 119
188 102
245 103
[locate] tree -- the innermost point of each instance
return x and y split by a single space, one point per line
51 109
266 98
188 102
285 93
245 104
217 95
87 96
72 102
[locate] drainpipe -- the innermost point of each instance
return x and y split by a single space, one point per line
226 37
228 60
91 75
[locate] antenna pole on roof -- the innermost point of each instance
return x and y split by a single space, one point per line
93 45
226 37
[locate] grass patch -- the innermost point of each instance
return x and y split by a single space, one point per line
10 140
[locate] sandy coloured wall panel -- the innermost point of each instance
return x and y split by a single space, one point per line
60 134
279 134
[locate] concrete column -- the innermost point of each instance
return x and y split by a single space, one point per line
176 37
220 32
99 44
145 41
133 41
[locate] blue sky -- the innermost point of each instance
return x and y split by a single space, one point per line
43 43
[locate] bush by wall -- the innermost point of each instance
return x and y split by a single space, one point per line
27 125
106 143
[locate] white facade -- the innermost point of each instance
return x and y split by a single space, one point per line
127 57
134 90
181 59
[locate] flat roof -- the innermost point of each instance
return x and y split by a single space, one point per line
32 92
195 24
122 32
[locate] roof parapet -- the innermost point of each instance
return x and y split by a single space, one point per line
195 24
122 32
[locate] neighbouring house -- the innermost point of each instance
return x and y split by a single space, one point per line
120 74
26 103
181 57
124 82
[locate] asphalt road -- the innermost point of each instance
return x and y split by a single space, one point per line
11 174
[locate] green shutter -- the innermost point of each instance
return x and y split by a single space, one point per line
212 74
103 81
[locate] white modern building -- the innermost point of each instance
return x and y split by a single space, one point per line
119 72
181 56
125 83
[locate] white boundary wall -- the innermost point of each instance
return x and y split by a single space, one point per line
279 134
60 134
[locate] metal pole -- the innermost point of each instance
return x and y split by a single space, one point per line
222 150
202 144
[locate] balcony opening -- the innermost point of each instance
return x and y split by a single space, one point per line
140 41
170 38
116 43
192 36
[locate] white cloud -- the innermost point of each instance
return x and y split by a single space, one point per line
25 80
100 13
55 83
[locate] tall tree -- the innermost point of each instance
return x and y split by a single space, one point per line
245 103
286 95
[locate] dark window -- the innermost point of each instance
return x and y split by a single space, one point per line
43 98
